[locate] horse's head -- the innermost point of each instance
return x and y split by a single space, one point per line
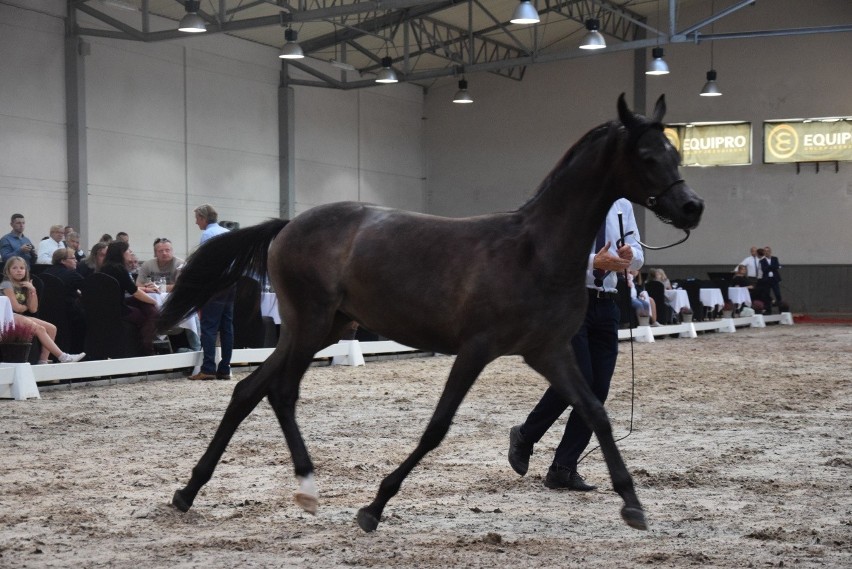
652 179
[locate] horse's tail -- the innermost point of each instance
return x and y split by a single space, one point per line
216 265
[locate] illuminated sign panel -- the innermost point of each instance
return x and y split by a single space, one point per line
816 140
712 144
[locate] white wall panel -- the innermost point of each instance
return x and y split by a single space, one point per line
322 183
393 190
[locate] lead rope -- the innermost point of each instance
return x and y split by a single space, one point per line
629 307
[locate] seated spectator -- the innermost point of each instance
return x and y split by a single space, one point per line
164 265
137 306
16 244
72 241
659 275
50 244
741 277
122 236
64 268
93 262
19 289
639 299
106 238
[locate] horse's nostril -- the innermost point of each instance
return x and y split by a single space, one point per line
693 207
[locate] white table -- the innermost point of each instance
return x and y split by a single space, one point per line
269 306
677 299
739 295
711 298
191 323
6 314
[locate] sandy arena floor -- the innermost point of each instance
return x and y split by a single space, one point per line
741 453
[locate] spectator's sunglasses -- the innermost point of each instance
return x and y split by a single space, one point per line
159 240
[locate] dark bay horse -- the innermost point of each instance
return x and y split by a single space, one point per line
478 287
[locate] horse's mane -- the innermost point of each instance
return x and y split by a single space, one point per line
612 130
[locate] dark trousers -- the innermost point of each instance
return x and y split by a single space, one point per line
217 317
144 316
596 348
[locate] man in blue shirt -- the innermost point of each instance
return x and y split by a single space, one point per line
15 243
217 316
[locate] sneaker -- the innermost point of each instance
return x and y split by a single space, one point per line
70 358
563 478
519 451
655 324
43 362
201 376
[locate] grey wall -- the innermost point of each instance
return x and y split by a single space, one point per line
490 155
171 125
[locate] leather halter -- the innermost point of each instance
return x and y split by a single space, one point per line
651 202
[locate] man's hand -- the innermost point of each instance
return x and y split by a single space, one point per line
606 261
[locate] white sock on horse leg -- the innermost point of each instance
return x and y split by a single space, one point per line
307 496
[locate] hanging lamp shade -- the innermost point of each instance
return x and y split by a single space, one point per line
462 95
192 23
711 89
291 49
525 13
386 74
657 65
594 39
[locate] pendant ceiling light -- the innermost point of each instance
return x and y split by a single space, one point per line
192 23
657 65
525 13
386 74
593 39
462 95
291 49
711 89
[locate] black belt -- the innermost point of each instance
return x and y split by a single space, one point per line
599 295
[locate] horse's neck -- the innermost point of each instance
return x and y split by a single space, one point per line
571 205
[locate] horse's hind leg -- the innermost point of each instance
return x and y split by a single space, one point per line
469 363
564 375
282 398
247 394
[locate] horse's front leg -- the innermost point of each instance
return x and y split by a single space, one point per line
563 373
247 394
467 367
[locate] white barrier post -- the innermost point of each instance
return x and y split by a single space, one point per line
727 326
757 321
355 356
643 334
787 318
691 333
23 384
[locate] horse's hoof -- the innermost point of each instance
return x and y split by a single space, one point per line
634 517
367 521
308 502
179 502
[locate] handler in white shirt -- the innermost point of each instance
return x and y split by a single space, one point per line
46 247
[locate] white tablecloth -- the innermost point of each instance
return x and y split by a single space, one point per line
6 314
192 323
739 295
711 297
677 299
269 306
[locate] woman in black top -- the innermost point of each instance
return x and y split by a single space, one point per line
137 307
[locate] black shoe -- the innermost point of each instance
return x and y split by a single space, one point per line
562 478
519 451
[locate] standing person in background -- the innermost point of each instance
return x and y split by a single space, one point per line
752 265
122 236
46 247
217 316
595 347
16 244
773 273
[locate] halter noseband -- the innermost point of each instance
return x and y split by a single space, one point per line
651 202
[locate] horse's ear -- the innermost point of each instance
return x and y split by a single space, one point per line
659 109
625 115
